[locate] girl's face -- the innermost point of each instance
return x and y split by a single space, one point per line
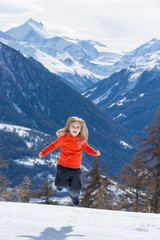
75 128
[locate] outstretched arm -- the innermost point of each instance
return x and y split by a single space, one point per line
51 147
90 150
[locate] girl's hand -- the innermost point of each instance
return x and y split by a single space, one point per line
98 153
40 155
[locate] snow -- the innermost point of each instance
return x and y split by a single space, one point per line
133 79
25 29
113 104
21 131
55 64
126 145
17 108
30 161
121 115
102 97
25 134
119 103
90 90
20 221
91 60
141 95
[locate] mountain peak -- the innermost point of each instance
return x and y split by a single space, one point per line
29 29
34 24
32 21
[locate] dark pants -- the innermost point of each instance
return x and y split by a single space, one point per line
69 177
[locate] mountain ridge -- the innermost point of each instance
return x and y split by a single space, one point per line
87 57
80 63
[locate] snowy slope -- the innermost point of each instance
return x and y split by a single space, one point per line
20 221
74 74
33 140
144 58
22 154
131 96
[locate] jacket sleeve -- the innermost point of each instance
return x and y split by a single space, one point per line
52 146
88 149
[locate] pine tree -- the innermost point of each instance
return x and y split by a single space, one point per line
149 151
18 193
22 192
46 191
133 183
3 180
95 188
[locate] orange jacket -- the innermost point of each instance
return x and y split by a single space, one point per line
71 150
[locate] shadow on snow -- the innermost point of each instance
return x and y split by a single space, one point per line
53 234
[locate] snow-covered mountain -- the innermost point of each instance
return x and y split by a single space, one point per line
48 222
131 96
80 63
145 56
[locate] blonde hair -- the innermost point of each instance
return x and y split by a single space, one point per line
83 132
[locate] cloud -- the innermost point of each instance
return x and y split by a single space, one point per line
6 9
9 7
59 29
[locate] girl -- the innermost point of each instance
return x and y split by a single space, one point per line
72 139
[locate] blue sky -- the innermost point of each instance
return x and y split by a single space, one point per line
122 25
